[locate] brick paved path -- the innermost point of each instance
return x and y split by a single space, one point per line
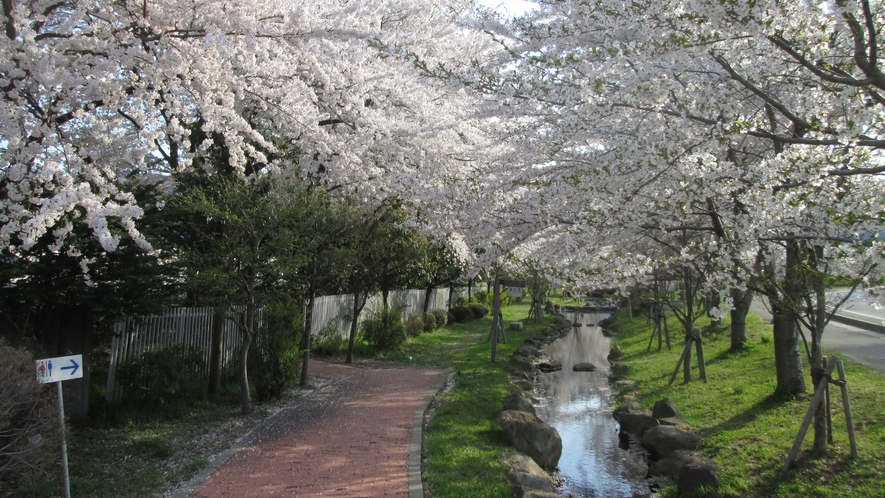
349 437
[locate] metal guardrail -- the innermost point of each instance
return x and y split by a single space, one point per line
862 324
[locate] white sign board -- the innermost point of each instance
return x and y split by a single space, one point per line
59 369
514 291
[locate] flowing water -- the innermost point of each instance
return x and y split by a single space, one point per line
579 406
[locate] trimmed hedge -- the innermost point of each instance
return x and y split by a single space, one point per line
442 317
462 314
478 310
415 325
429 322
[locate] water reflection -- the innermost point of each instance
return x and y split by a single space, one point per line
579 405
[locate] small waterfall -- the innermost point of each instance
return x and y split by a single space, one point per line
579 406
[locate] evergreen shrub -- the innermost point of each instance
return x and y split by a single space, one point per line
429 322
415 325
328 341
155 379
478 310
384 328
462 314
442 317
274 358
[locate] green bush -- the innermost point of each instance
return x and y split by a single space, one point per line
429 322
450 318
461 301
154 379
29 436
462 314
328 341
274 358
442 317
415 325
384 329
480 297
478 310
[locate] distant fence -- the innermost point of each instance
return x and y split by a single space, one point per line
338 310
193 327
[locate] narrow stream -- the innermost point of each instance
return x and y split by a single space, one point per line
579 406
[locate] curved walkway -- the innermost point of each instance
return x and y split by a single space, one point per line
358 434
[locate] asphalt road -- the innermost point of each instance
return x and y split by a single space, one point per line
861 345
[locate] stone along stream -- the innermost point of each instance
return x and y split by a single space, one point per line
579 406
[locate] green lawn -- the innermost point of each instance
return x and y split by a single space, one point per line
462 443
749 432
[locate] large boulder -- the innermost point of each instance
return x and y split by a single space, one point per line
535 493
615 354
527 351
672 464
550 366
662 440
584 367
521 364
518 400
525 385
665 408
698 478
531 436
629 406
636 423
525 475
619 367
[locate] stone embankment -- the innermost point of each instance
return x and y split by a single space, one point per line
671 444
538 445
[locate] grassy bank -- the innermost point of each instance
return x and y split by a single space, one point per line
749 432
462 442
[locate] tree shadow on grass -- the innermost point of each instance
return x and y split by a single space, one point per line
766 404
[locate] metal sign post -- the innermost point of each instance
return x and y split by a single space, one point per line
58 370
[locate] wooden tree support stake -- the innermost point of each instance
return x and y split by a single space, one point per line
819 392
685 359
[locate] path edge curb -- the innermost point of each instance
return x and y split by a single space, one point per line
416 484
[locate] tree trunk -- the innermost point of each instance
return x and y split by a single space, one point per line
216 349
496 308
787 357
247 329
817 359
305 342
427 294
357 308
741 301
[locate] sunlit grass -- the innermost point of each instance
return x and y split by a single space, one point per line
749 431
462 443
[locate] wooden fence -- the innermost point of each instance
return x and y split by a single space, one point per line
193 327
134 336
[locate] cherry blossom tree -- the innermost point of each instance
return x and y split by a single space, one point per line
758 123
